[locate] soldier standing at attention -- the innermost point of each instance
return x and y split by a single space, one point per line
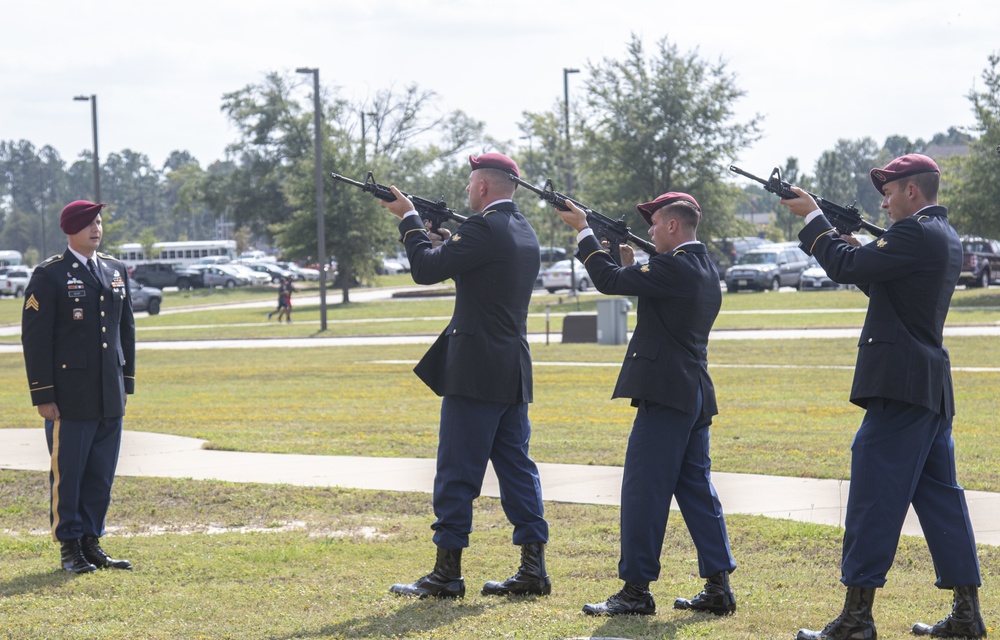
481 366
78 335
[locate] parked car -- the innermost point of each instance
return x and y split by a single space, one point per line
273 271
161 274
814 278
391 266
551 254
980 262
311 275
254 277
145 298
223 275
559 276
211 260
726 252
767 269
15 281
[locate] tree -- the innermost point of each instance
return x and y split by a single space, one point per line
357 229
660 123
970 186
274 135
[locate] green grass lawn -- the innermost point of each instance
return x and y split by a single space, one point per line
221 560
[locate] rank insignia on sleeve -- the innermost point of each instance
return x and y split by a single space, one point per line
880 243
31 303
644 268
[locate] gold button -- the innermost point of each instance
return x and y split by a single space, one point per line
102 314
102 298
869 340
104 329
105 345
64 366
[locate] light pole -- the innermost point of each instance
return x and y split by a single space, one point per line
364 157
97 165
569 168
320 232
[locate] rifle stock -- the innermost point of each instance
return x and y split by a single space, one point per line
846 220
609 231
434 211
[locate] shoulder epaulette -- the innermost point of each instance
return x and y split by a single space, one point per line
51 259
106 256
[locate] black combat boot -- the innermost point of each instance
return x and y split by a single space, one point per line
964 621
94 554
73 559
854 622
633 599
716 598
445 581
530 579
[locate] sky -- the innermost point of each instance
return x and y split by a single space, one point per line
815 71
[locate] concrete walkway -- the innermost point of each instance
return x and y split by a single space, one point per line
167 456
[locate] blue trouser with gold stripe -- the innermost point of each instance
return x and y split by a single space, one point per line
84 454
904 454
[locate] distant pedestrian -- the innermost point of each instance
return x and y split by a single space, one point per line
78 335
285 290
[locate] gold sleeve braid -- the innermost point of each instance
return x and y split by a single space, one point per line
818 237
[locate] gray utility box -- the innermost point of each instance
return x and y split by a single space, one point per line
612 320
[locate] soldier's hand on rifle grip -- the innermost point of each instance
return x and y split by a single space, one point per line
801 206
437 237
627 254
400 206
575 217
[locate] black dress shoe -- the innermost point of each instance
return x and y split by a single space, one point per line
633 599
531 577
94 554
445 581
72 558
716 598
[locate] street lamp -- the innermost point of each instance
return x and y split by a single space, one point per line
320 232
364 158
569 167
569 162
97 166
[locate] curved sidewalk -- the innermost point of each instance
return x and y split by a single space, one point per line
167 456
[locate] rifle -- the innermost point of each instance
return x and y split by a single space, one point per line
435 212
846 220
610 232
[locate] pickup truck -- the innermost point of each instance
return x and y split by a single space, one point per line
159 275
14 282
980 262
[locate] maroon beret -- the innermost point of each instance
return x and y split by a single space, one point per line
77 215
900 168
494 161
647 209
